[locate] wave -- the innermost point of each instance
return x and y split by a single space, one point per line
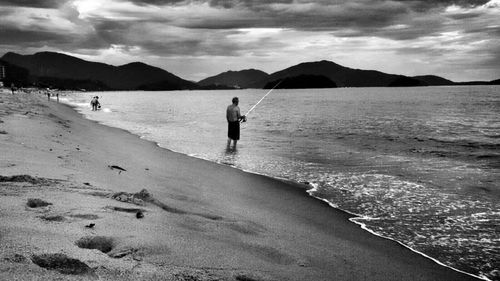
357 219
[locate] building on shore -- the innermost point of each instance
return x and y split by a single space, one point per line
2 74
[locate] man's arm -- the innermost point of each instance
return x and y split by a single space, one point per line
241 117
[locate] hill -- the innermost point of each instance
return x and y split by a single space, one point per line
476 83
239 79
349 77
302 82
54 67
404 81
342 76
495 82
433 80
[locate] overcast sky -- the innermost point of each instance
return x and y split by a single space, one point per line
194 39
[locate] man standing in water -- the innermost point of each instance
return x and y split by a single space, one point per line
233 117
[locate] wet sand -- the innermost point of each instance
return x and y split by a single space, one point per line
197 221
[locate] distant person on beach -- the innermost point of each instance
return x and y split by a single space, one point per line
57 96
233 117
48 94
12 88
95 103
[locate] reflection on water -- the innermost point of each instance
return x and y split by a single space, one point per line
229 156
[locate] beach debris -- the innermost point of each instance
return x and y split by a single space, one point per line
144 195
91 225
87 183
61 263
139 215
134 198
35 203
102 243
2 132
115 167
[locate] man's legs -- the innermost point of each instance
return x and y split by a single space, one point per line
229 142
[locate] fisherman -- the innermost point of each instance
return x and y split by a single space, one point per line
233 117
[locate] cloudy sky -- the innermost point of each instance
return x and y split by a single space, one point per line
456 39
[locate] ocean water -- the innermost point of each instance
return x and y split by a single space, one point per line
417 165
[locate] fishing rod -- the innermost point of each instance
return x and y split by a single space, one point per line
252 108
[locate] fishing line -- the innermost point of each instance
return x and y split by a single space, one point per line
248 112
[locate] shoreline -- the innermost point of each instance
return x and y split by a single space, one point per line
351 217
306 189
257 213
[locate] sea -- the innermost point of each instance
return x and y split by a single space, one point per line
417 165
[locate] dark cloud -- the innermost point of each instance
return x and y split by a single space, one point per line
315 17
186 28
156 2
464 16
361 17
254 4
32 3
32 38
113 32
491 31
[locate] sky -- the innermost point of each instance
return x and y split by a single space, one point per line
194 39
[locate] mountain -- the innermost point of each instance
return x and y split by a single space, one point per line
50 66
433 80
349 77
404 81
342 76
302 82
472 83
239 79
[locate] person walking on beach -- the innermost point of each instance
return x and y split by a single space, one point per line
233 117
94 103
12 88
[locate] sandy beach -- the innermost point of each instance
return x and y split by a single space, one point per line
115 207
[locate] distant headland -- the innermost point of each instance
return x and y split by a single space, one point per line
56 70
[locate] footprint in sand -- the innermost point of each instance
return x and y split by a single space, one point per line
61 263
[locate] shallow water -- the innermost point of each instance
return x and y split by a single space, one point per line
418 165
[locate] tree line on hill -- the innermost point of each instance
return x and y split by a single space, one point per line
55 70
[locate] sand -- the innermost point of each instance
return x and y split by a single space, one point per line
200 220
